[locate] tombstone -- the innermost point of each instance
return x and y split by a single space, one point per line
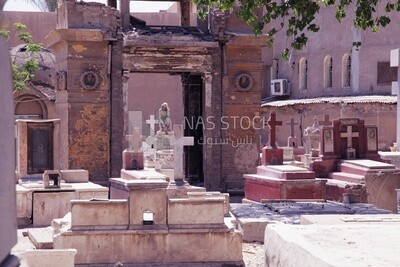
8 221
292 139
312 138
180 142
37 147
132 157
150 152
271 155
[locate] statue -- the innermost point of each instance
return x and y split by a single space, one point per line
165 122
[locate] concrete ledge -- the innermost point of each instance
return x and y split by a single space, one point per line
331 245
350 219
75 176
104 214
48 257
42 238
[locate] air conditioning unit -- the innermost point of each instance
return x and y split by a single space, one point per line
279 87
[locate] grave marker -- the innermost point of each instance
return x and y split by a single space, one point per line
180 142
326 121
272 124
152 122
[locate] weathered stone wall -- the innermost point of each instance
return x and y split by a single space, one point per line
241 106
89 53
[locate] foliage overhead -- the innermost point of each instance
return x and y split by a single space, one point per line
44 5
25 72
297 17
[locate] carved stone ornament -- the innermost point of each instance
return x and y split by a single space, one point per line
90 80
244 82
61 80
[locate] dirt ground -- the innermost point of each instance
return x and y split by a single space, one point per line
253 254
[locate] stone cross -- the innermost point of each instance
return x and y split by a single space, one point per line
292 124
326 121
152 122
272 123
349 134
180 142
134 140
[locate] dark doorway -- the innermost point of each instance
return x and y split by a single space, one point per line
192 96
40 147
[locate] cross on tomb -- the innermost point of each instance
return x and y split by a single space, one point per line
180 142
326 121
152 122
272 123
292 124
349 134
134 139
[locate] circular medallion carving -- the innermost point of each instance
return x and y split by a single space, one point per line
244 81
90 80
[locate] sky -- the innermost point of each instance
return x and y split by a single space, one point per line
137 6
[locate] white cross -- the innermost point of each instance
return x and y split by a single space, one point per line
152 122
134 140
180 142
349 134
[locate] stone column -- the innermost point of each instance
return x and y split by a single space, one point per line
395 62
8 213
125 14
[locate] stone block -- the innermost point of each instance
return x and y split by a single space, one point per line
41 238
99 214
75 176
24 203
200 194
132 160
50 205
323 245
48 257
258 187
205 212
350 219
395 58
185 247
164 159
272 156
142 174
145 196
51 179
252 229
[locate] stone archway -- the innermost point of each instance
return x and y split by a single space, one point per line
198 62
28 106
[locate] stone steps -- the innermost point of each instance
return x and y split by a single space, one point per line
348 177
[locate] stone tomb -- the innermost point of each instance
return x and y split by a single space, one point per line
37 147
39 204
283 182
159 228
365 181
252 218
347 138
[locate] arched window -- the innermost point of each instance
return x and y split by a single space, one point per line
275 69
346 70
303 73
328 69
